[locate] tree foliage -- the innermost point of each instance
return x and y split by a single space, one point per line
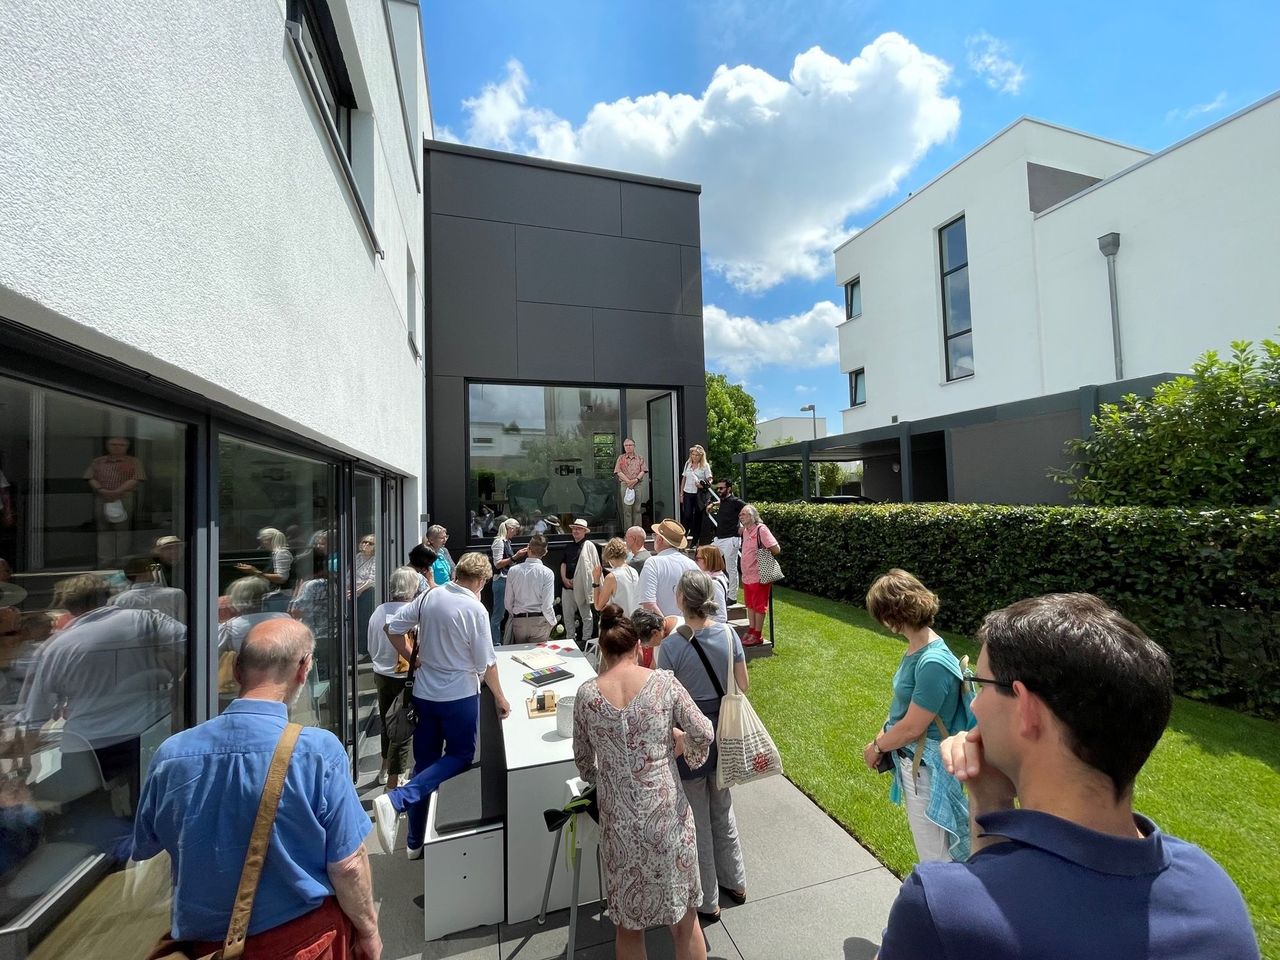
1211 439
731 423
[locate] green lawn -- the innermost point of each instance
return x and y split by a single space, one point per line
1214 779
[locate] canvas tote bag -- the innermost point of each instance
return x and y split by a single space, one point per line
746 751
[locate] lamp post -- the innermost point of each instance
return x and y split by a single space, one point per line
812 411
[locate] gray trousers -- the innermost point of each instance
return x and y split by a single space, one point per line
630 512
584 610
719 853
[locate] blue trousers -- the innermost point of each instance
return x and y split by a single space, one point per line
444 744
499 585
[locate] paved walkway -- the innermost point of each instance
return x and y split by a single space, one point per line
814 894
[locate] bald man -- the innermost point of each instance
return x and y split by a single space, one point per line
206 782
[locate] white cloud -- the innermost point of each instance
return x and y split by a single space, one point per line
739 345
805 388
989 59
1200 109
783 163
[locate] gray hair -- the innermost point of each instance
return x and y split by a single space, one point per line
245 595
404 583
646 623
434 529
696 594
276 648
750 513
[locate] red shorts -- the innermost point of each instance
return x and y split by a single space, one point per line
756 596
323 934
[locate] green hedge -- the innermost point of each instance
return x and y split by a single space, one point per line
1203 583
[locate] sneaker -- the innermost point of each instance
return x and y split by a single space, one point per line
385 818
382 776
415 853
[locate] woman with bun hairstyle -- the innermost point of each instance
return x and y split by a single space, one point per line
719 852
629 726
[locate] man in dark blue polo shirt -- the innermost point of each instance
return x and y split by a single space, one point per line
1073 700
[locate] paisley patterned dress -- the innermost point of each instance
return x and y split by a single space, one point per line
646 825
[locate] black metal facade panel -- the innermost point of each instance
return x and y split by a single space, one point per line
691 277
554 342
516 193
652 213
473 297
648 348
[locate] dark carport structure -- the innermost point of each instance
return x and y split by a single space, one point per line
1004 453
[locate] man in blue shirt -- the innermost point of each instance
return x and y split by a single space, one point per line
201 798
1073 699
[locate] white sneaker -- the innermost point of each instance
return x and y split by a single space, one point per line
384 822
415 853
382 777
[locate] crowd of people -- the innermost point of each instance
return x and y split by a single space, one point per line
1016 774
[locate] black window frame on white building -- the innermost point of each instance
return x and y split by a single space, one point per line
957 315
853 299
858 378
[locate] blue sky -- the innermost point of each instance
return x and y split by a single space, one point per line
797 147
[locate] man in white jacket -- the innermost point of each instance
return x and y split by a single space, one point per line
580 558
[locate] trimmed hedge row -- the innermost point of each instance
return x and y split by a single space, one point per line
1204 583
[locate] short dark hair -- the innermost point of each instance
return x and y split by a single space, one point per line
726 481
422 556
537 545
1108 682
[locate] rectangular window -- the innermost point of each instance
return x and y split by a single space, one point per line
853 298
956 320
412 313
324 54
278 558
857 388
94 531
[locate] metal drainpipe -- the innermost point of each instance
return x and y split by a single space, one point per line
1109 244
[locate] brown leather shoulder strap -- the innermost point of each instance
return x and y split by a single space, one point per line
238 929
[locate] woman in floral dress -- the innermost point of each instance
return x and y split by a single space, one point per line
629 725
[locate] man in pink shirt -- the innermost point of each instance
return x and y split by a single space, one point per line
629 470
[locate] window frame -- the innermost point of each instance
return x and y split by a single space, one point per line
943 273
848 298
853 387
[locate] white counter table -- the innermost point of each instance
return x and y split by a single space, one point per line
538 762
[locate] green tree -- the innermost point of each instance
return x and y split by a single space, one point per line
731 423
1211 439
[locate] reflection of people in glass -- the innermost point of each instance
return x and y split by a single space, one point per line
366 579
311 606
168 556
109 675
245 598
279 576
145 592
114 479
436 538
6 502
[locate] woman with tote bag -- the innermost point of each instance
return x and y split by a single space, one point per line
719 852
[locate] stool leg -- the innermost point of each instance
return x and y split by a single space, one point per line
573 904
551 872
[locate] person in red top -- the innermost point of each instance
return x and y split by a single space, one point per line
114 479
755 535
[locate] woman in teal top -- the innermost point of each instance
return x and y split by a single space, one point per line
928 700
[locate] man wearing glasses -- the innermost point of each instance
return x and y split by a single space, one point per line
1072 700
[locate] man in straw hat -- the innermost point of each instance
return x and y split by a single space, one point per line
663 570
580 558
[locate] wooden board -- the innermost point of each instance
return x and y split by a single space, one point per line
531 706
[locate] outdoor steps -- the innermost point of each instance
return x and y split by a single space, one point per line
760 649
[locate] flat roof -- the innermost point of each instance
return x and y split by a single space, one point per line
463 150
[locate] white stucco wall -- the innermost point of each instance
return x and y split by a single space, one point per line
171 201
898 338
1199 243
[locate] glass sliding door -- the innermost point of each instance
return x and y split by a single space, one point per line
370 576
94 528
278 557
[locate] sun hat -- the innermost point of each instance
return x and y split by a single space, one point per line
671 532
581 523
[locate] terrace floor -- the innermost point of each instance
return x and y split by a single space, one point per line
814 893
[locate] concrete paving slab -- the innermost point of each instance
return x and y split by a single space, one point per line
837 920
789 842
658 946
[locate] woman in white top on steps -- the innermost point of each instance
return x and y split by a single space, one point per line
615 581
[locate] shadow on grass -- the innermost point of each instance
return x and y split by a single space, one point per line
1221 732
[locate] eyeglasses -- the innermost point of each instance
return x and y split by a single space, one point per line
363 542
977 681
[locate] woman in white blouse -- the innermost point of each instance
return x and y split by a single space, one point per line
695 477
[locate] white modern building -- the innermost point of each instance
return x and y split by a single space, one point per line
776 430
211 329
990 311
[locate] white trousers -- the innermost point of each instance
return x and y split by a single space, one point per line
728 547
568 606
932 842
